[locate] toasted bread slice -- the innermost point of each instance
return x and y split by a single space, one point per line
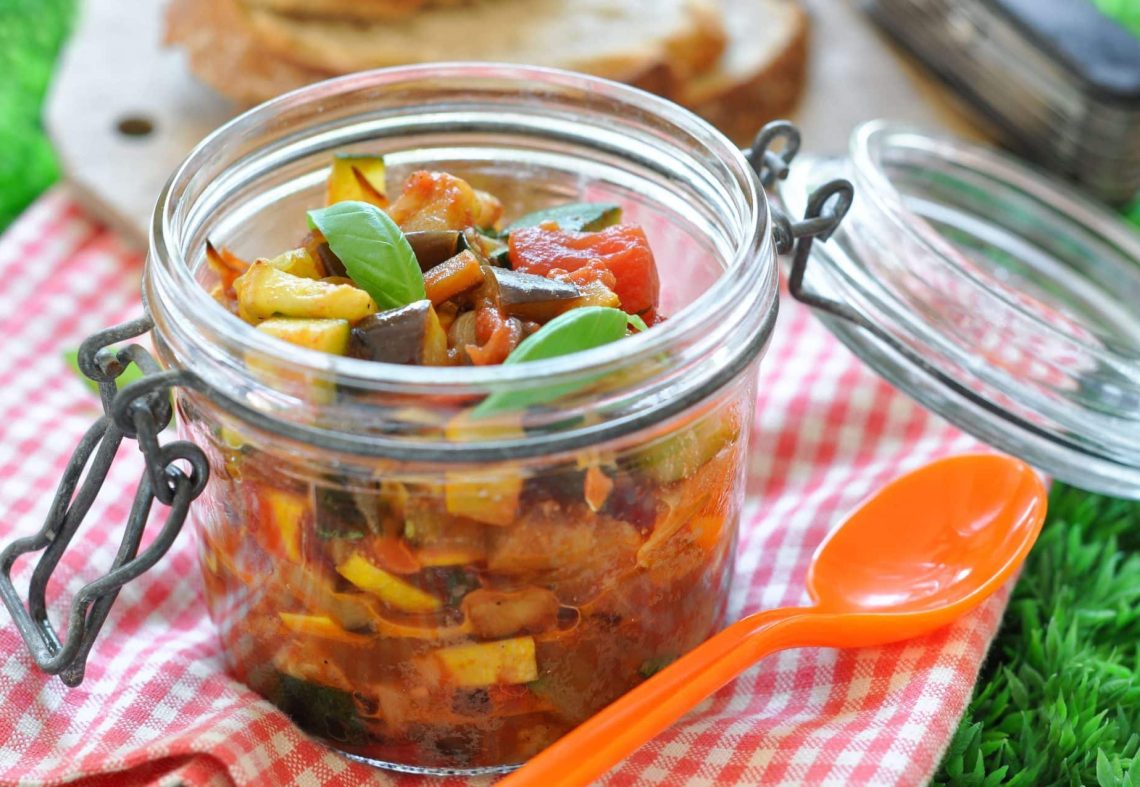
361 10
762 72
619 39
224 53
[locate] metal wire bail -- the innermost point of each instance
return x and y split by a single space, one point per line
827 205
175 475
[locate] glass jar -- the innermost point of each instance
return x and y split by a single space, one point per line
420 589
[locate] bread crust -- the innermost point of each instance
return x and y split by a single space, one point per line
739 98
729 89
359 10
224 54
338 46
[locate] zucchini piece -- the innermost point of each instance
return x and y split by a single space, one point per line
264 291
321 710
574 217
327 336
652 666
478 664
337 515
389 588
357 177
489 496
680 455
488 246
298 262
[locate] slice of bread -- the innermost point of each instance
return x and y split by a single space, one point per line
223 52
619 39
361 10
762 72
759 77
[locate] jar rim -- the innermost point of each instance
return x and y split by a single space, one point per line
171 264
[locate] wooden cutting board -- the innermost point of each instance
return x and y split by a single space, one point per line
124 110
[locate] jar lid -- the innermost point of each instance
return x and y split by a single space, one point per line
993 294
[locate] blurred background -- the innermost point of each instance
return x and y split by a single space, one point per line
140 82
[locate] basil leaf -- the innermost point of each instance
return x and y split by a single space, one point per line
575 217
570 332
374 251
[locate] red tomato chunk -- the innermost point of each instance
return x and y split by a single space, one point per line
623 249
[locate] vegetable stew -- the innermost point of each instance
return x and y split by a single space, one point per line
451 617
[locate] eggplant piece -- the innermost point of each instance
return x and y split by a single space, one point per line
533 297
574 217
332 264
408 335
434 246
314 243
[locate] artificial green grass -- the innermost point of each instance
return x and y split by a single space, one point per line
31 33
1058 701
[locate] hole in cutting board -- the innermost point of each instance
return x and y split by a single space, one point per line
135 126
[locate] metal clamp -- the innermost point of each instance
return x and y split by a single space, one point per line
826 207
175 474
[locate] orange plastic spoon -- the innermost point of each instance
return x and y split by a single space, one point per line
927 548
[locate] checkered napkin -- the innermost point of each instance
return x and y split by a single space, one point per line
158 708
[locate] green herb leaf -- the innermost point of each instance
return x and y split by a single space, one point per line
374 251
570 332
574 217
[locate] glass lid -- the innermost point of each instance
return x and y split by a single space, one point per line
993 294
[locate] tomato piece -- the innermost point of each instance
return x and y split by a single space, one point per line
498 334
623 249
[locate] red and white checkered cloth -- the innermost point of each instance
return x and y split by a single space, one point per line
157 706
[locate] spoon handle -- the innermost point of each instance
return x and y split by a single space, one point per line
635 718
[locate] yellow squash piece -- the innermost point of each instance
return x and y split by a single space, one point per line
327 336
488 663
264 291
283 512
389 588
357 177
490 496
298 262
320 626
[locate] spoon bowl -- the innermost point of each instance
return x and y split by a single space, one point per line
928 547
921 552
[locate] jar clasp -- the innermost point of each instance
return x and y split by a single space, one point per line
826 207
175 475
